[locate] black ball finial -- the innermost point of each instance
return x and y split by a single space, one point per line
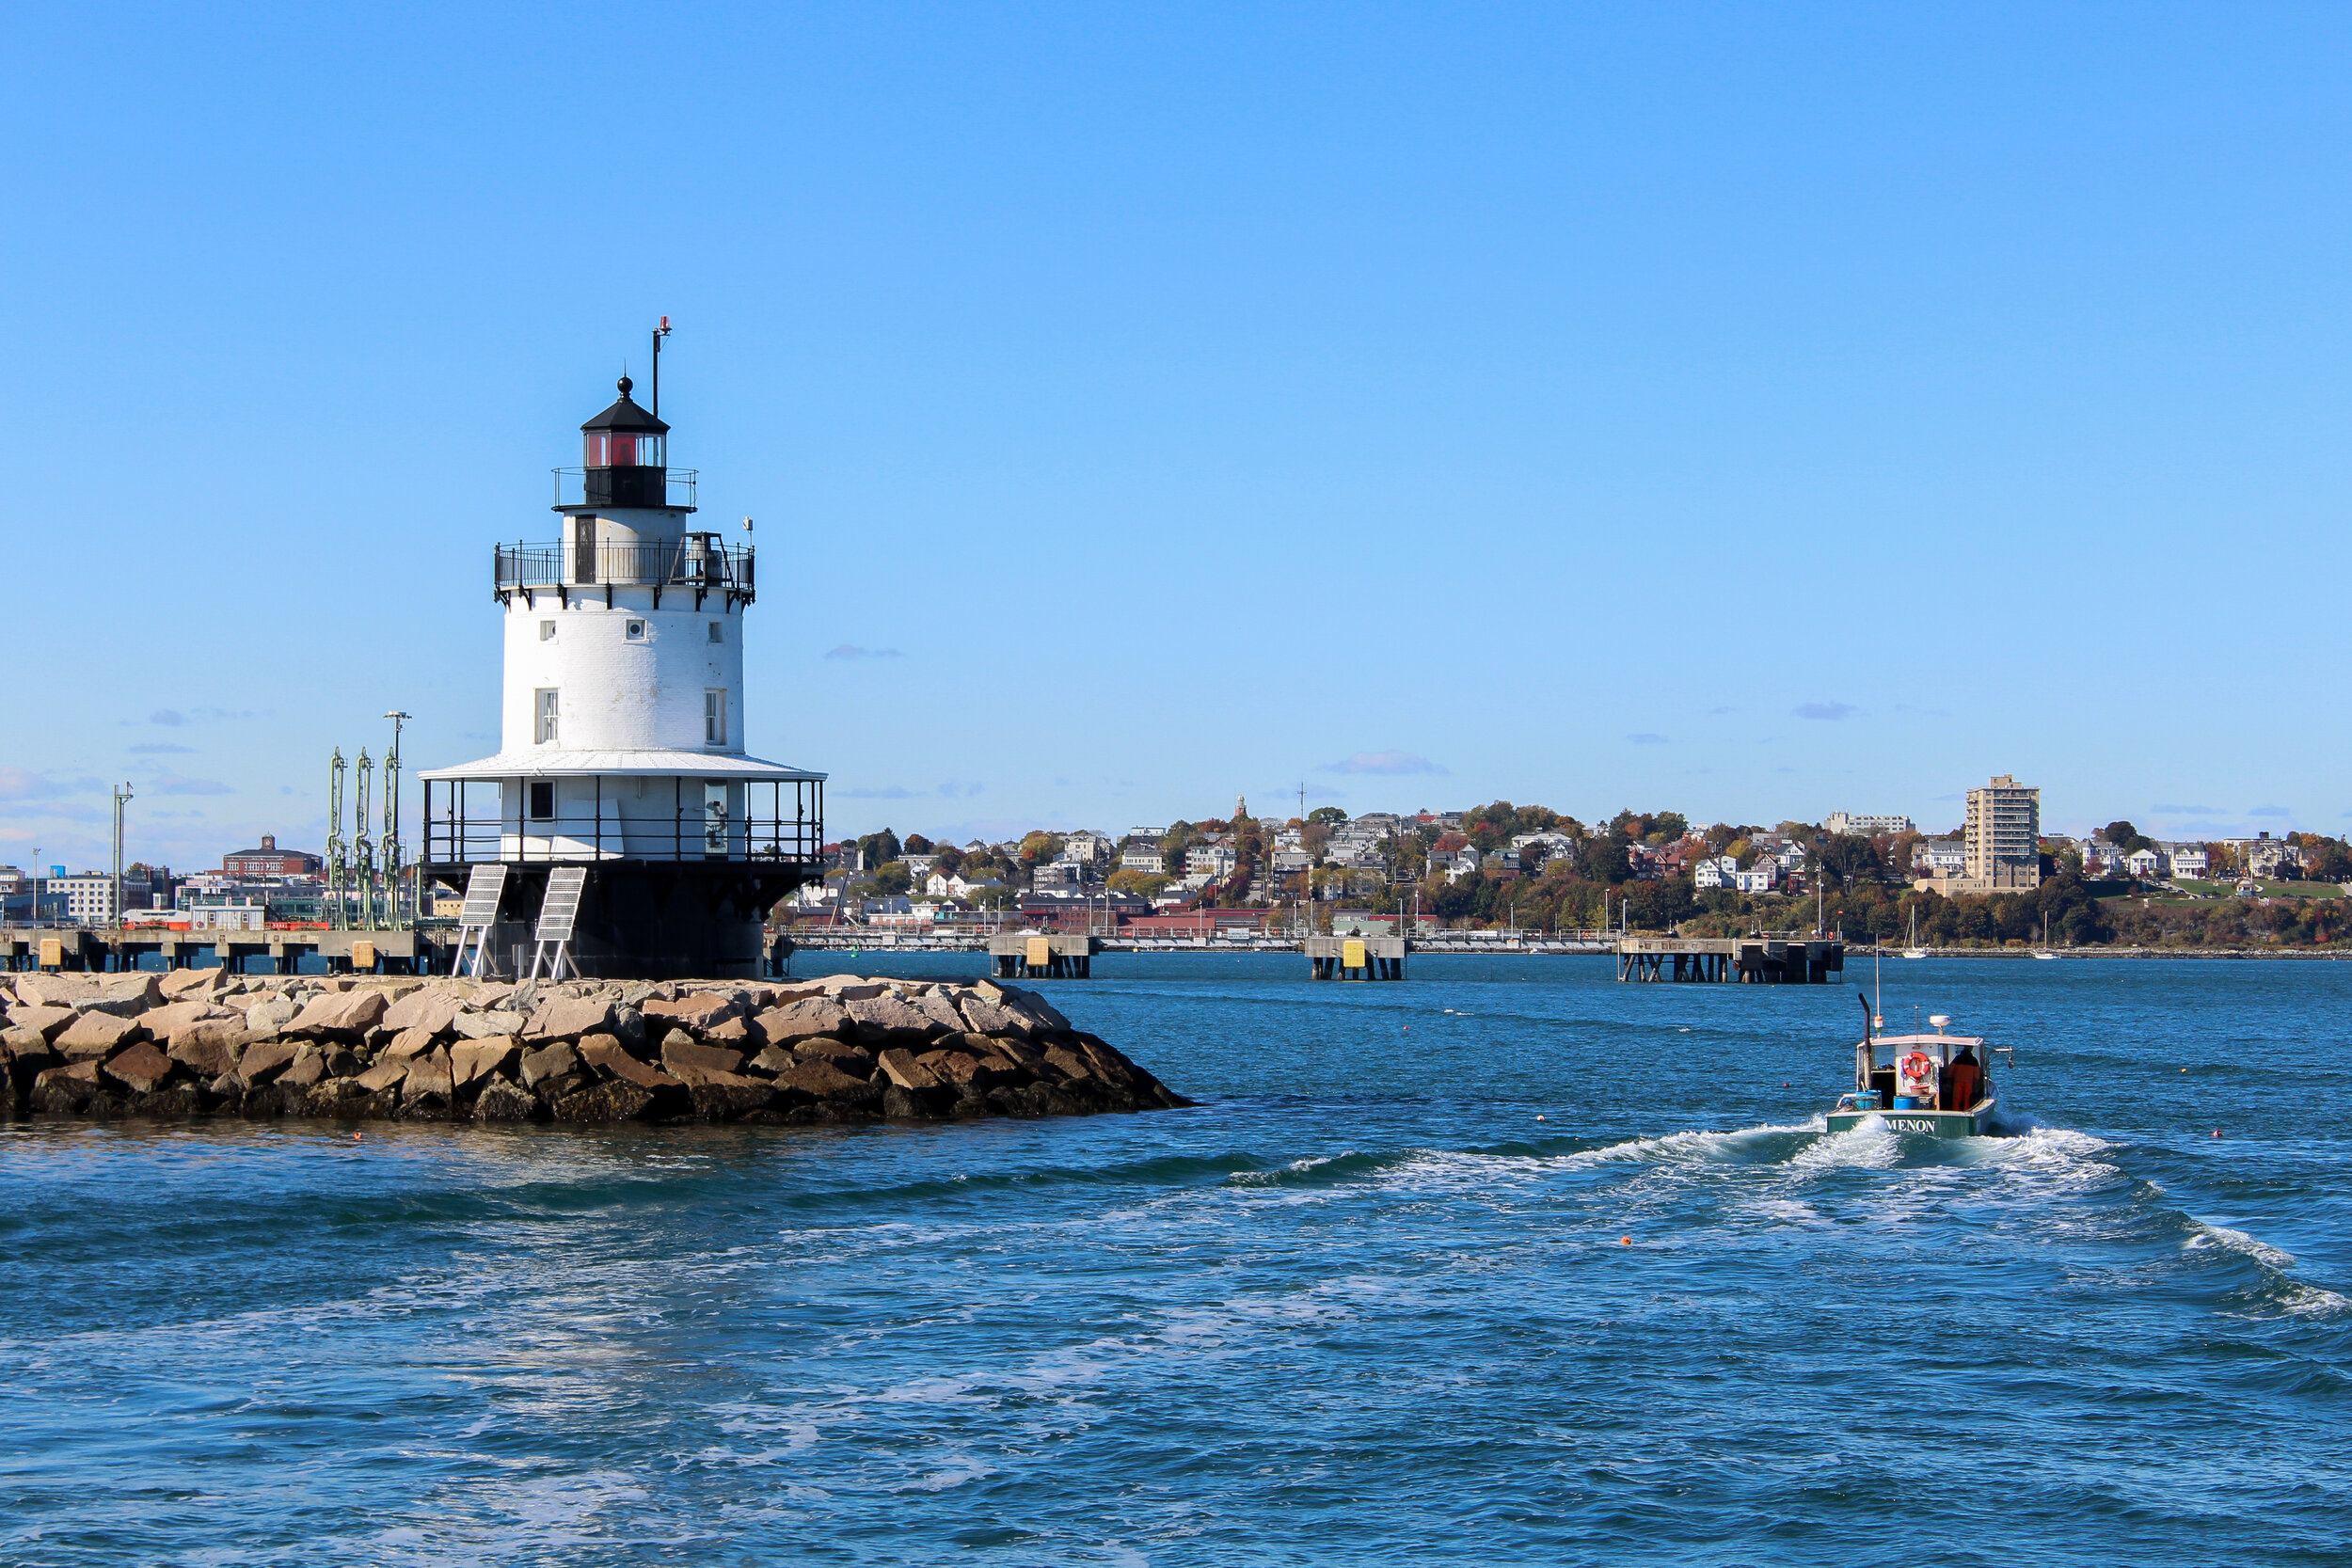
625 384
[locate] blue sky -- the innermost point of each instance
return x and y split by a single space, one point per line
1755 411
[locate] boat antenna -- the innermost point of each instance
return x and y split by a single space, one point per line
1865 1015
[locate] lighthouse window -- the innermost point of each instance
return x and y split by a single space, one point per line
714 718
607 450
634 631
546 707
717 635
542 801
547 631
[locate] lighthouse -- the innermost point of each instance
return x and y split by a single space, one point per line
622 745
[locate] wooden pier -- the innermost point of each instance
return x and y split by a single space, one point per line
1785 960
1034 956
1354 957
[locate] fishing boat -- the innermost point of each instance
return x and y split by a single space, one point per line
1940 1084
1915 950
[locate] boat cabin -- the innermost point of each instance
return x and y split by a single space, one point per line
1920 1072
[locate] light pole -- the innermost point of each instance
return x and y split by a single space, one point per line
123 794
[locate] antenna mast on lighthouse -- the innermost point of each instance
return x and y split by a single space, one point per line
658 333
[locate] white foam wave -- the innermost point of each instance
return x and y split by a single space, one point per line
2222 1236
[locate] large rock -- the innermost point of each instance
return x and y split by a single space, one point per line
984 1016
430 1011
411 1043
500 1101
475 1059
95 1035
270 1016
339 1015
567 1017
823 1081
852 987
429 1078
1040 1011
207 1050
69 1090
931 1104
50 1022
855 1060
610 1101
886 1020
690 1061
192 982
899 1066
481 1026
725 1096
801 1021
263 1061
696 1011
549 1064
605 1054
306 1069
120 995
940 1009
25 1045
143 1068
968 1076
384 1075
167 1021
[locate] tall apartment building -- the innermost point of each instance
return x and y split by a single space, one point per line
2004 835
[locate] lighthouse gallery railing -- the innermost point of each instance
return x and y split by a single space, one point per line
462 829
697 561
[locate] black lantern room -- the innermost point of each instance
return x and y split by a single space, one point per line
626 450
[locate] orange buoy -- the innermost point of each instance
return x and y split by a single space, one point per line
1624 1241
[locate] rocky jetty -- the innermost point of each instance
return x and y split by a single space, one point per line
837 1050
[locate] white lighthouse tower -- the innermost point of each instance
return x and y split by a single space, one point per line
621 742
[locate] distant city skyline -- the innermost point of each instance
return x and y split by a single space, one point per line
1751 414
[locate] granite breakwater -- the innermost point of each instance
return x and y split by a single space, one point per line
843 1048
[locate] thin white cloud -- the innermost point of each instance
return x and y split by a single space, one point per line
172 783
851 650
1384 763
1824 710
22 784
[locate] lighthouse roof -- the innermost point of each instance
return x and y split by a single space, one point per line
548 762
627 414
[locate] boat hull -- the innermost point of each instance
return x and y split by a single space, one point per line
1934 1124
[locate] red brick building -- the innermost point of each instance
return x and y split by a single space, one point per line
270 861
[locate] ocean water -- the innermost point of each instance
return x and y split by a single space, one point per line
1504 1264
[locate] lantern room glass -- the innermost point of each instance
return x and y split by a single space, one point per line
606 448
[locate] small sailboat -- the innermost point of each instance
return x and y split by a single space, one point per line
2044 951
1915 950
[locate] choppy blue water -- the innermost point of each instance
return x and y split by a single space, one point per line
1358 1306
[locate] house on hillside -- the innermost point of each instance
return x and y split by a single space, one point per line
1143 854
1939 857
2189 860
1715 872
1215 859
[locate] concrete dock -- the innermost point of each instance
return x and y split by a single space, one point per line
1784 960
